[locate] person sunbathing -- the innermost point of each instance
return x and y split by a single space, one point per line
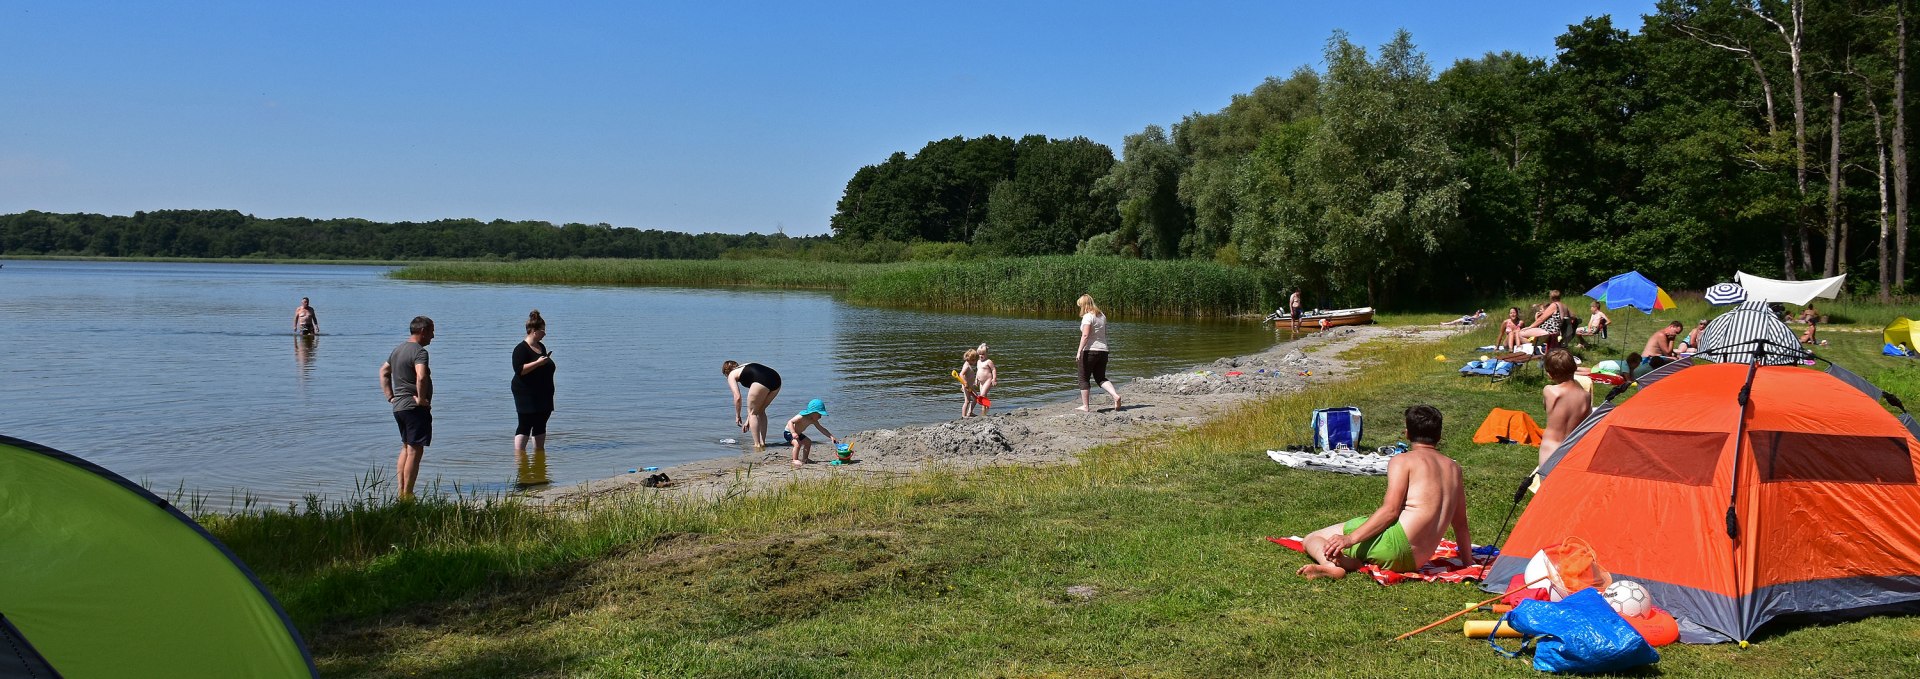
1510 329
1426 495
1469 319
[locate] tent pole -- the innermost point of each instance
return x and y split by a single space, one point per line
1740 437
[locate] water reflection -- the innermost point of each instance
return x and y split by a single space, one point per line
303 348
530 469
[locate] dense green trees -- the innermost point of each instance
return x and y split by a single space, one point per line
1764 135
226 233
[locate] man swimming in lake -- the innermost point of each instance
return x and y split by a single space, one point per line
305 320
1426 495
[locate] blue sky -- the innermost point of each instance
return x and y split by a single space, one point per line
714 116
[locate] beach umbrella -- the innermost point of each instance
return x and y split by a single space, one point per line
1634 290
1722 294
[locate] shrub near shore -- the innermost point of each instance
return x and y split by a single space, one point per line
1124 287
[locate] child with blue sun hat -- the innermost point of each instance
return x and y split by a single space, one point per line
797 427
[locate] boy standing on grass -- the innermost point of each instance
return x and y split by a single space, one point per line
985 376
1567 403
1426 495
797 427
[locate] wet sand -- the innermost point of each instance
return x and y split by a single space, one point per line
1052 434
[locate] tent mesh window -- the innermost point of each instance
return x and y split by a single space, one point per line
1803 456
1686 457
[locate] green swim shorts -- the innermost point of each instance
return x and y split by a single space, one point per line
1389 549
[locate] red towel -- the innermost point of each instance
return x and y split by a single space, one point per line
1437 569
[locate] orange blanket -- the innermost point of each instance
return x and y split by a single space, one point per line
1511 424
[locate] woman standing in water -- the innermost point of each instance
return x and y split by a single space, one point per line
532 386
1092 356
762 384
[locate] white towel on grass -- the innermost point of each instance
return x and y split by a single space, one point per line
1340 462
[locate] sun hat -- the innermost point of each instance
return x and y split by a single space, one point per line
815 406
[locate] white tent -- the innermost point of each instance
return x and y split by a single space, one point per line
1797 293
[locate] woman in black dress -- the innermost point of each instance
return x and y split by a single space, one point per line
532 386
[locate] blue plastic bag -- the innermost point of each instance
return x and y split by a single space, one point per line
1336 427
1577 635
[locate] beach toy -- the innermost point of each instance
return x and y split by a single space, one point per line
649 469
982 400
633 471
728 441
845 450
1234 373
835 463
1479 629
1629 599
1439 357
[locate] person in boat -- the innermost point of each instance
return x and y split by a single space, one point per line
1426 495
306 321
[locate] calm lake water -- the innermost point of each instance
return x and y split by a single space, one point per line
188 376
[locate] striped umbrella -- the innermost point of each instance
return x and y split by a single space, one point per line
1730 338
1722 294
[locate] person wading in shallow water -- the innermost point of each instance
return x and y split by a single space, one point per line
762 384
1092 356
306 321
408 384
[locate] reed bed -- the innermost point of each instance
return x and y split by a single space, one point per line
675 272
1123 287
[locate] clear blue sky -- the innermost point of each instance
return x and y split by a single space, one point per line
696 116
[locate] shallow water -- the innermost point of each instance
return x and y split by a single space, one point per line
188 376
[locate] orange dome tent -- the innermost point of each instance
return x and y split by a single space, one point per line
1804 500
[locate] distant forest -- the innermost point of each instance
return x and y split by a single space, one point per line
226 233
1764 135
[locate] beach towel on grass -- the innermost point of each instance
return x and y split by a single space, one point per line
1339 462
1437 569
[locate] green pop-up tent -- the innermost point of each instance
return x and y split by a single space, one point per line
101 578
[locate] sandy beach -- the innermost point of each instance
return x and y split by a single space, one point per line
1052 434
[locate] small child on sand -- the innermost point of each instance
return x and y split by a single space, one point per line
968 374
797 427
985 376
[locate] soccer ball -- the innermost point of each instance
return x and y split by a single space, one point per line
1629 599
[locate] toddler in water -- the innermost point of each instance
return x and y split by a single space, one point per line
968 373
797 427
985 376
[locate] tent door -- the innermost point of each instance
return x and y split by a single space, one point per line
18 659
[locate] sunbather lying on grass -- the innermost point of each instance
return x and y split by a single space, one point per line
1425 496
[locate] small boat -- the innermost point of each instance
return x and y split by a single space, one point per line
1323 318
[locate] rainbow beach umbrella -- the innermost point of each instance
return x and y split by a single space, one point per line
1634 290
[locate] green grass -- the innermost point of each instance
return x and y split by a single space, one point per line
943 575
1124 287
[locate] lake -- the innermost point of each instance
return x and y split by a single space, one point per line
188 377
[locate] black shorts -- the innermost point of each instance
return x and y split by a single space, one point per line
1295 314
416 426
1092 364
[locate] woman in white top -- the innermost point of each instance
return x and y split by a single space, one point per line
1092 357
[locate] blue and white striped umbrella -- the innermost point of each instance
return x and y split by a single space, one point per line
1722 294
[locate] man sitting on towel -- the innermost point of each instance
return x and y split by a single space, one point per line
1425 496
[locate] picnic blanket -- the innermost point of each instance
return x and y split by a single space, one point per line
1337 461
1437 569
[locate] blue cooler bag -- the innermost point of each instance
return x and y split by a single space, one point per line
1336 427
1577 635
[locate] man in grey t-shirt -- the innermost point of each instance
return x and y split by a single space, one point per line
408 385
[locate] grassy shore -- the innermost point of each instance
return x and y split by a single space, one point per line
1025 284
942 575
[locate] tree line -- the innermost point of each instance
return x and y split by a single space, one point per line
227 233
1761 135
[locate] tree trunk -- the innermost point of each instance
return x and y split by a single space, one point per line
1796 11
1834 245
1880 182
1900 151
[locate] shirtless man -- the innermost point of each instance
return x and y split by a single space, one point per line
1425 496
1659 349
305 321
1293 310
1567 403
